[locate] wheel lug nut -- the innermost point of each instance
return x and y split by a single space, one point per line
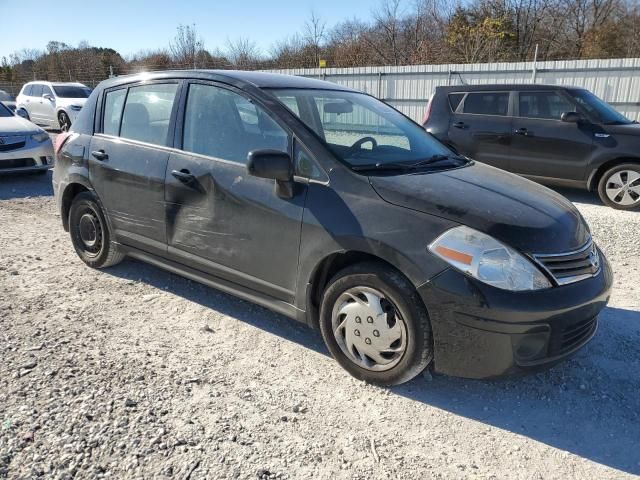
369 319
367 341
358 320
356 332
376 333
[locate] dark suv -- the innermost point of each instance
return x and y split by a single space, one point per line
548 133
328 206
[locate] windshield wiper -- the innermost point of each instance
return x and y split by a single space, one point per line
386 166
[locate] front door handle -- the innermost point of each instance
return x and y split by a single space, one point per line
184 176
522 131
460 125
100 155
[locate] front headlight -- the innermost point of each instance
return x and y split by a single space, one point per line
40 137
488 260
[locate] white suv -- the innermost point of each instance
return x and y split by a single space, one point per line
51 104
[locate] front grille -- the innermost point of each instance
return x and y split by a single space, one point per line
573 266
17 163
576 334
11 146
13 142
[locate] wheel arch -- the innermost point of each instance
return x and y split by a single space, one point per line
69 193
596 174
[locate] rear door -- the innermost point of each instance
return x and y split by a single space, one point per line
221 220
35 104
128 160
545 146
481 127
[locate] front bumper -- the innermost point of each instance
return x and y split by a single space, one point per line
33 156
481 331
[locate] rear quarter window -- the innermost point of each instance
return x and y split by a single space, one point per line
487 103
454 100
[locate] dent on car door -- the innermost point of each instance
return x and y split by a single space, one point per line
545 146
221 220
128 161
481 128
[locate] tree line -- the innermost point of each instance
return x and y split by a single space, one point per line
399 32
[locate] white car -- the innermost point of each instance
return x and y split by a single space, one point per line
53 105
24 147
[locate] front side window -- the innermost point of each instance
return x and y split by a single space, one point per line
64 91
545 105
147 112
360 129
487 103
223 124
600 110
113 103
46 90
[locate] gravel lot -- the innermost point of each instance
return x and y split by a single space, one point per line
132 372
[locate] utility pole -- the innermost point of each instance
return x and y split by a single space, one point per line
534 71
110 71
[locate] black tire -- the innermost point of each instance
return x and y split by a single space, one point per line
85 217
397 289
64 121
606 180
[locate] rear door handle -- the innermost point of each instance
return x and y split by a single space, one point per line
184 176
100 155
460 125
522 131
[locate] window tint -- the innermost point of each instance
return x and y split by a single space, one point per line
306 166
147 112
454 100
549 105
65 91
36 90
487 103
598 108
113 103
46 90
223 124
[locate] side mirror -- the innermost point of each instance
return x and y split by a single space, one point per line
47 96
275 165
270 164
572 117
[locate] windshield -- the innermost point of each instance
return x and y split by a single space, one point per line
361 130
72 92
5 112
598 108
5 97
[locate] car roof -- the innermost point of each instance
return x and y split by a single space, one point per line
237 77
503 87
56 84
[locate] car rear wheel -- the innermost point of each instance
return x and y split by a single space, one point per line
375 324
619 187
90 233
64 121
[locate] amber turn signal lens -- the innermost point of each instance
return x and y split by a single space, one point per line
454 255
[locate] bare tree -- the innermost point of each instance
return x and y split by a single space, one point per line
185 46
243 52
314 35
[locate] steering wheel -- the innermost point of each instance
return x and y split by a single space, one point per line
358 145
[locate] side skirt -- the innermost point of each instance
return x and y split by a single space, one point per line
239 291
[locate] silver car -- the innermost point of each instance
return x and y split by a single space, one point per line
24 147
53 105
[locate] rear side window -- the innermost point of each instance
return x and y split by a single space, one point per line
147 113
487 103
36 91
113 104
223 124
547 105
27 90
454 100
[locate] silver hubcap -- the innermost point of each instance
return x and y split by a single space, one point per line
369 329
623 187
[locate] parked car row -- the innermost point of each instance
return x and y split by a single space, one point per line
327 205
548 133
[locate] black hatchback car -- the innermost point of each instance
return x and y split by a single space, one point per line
551 134
330 207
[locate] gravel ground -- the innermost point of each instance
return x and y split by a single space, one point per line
133 372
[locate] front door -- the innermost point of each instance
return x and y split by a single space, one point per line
128 161
481 128
221 220
545 146
48 106
34 108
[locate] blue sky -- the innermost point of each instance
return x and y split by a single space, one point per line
134 25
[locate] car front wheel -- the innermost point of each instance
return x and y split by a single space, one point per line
90 233
375 324
619 187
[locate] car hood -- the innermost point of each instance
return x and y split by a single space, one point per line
516 211
16 125
67 102
628 129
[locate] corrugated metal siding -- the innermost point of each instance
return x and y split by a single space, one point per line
408 88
